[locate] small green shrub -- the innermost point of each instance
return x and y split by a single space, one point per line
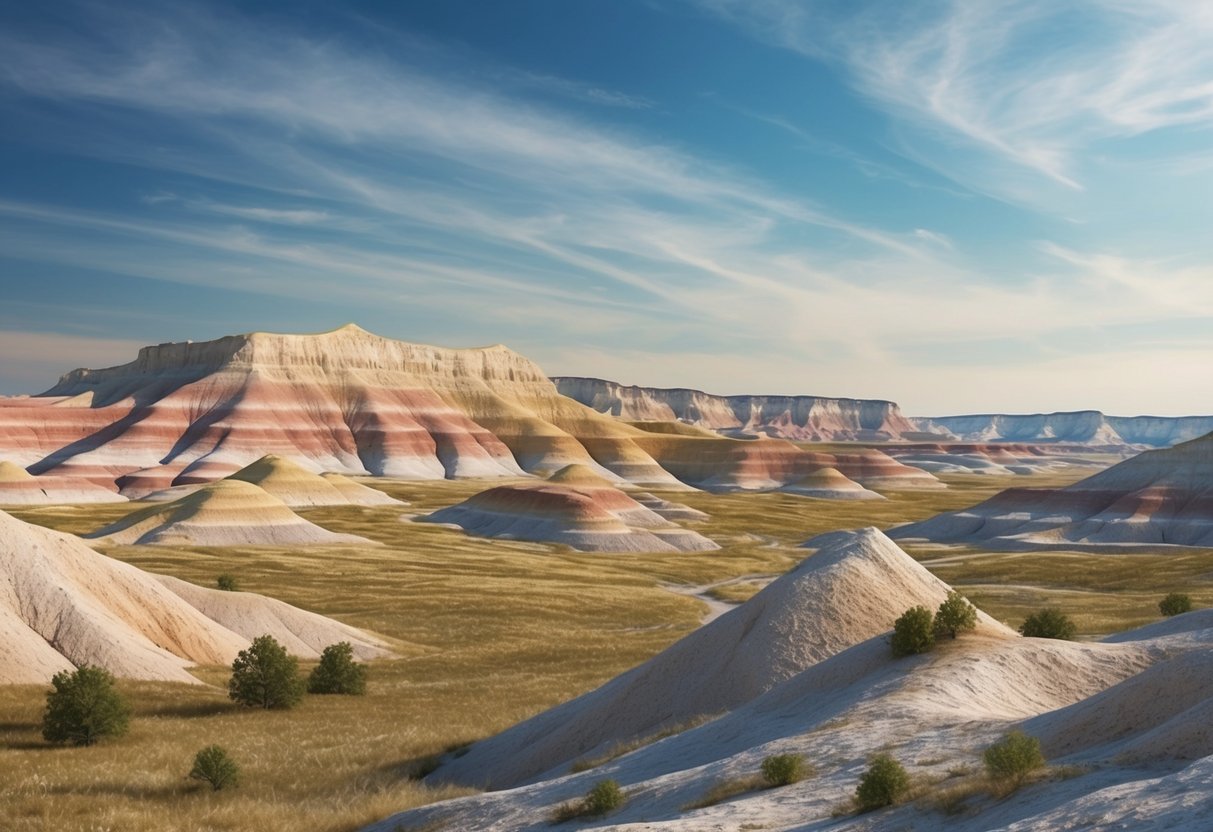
955 615
213 766
1175 604
265 676
1049 623
783 769
84 707
883 784
227 583
338 672
914 632
1013 757
604 798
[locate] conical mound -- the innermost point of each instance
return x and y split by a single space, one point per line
1162 497
587 518
18 487
830 484
579 474
298 487
854 588
224 513
63 604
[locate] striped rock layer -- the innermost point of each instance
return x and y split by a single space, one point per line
351 402
1162 497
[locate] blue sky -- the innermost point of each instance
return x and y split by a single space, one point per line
970 206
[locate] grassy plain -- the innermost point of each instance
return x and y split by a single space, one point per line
488 633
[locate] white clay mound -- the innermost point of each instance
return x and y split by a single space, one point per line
224 513
19 487
854 588
63 604
588 518
830 484
298 487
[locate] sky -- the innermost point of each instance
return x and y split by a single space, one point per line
977 206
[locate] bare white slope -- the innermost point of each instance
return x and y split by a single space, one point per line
854 588
63 604
223 513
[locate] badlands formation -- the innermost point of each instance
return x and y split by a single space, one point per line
576 507
63 604
1085 427
793 672
350 402
19 487
230 512
1158 498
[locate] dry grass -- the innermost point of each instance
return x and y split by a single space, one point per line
489 633
619 749
726 790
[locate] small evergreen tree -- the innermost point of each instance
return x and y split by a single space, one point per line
1013 757
84 707
227 582
1049 623
883 784
955 615
913 632
338 672
213 766
265 676
1175 604
783 769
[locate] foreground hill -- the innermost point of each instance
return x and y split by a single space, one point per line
63 604
351 402
1162 497
792 672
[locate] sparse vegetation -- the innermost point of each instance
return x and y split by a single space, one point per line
84 707
883 784
338 672
1176 603
955 615
227 582
914 632
723 790
1050 622
783 769
265 676
213 766
605 797
628 746
1013 757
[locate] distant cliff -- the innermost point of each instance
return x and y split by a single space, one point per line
1084 427
802 418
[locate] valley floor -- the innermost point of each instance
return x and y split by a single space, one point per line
488 633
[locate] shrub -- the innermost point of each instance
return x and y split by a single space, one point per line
338 672
227 583
603 798
1174 604
1013 757
913 632
264 676
955 615
213 766
783 769
84 707
883 784
1049 623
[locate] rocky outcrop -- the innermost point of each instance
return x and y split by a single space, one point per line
800 418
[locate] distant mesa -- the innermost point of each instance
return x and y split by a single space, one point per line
1000 459
63 605
225 513
1158 498
350 402
586 517
1088 428
18 487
